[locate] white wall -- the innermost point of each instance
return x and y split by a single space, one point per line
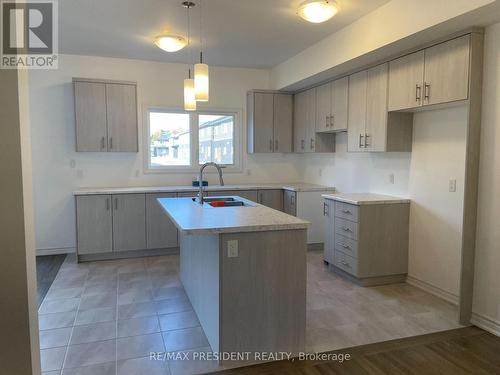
422 175
53 135
486 305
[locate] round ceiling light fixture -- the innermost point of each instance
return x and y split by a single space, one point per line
170 42
317 11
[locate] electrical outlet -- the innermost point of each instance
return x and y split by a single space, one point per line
72 163
452 186
391 178
232 249
320 172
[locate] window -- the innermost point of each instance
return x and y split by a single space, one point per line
178 140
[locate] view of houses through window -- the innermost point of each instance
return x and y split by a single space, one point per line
170 138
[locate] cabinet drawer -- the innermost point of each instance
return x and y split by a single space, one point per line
346 245
346 263
346 228
346 211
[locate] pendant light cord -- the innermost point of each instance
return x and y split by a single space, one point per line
189 42
201 31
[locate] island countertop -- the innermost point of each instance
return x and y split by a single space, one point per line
365 198
193 218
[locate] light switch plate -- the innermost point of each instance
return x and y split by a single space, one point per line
232 249
452 186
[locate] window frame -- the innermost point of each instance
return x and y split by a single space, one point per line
194 140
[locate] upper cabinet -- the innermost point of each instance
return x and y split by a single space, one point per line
269 122
331 106
371 127
436 75
106 116
304 125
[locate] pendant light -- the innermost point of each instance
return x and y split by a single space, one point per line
189 92
201 70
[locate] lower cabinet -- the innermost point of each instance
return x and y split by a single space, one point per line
94 223
290 202
368 243
271 198
161 232
129 222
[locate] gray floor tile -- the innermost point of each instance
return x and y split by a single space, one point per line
100 287
102 369
90 354
52 359
52 373
66 283
93 333
59 306
136 310
138 326
187 319
54 294
184 339
173 305
138 346
137 295
98 300
101 278
92 316
142 366
169 293
57 320
54 338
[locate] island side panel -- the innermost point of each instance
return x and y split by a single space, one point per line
263 292
199 268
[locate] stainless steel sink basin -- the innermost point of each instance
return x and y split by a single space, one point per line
222 202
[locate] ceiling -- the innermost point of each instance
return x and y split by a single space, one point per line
237 33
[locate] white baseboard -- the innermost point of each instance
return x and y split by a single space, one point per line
429 288
57 251
488 324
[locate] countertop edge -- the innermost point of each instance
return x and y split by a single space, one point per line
364 202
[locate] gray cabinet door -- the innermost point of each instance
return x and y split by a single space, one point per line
357 112
90 116
271 198
122 117
161 232
310 121
263 118
406 79
329 222
323 107
129 222
290 202
283 122
299 121
447 71
94 224
376 108
340 93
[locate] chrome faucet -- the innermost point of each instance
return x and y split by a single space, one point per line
200 178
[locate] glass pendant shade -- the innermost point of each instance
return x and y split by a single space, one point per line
189 95
201 82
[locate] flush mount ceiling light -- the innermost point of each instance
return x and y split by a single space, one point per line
170 42
317 11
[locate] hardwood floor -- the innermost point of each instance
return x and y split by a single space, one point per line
467 350
47 267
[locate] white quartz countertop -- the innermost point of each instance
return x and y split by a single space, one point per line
365 198
192 218
297 187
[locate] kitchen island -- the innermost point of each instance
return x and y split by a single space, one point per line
244 271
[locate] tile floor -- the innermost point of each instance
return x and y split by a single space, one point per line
103 318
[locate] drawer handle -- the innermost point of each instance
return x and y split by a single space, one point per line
346 211
346 229
345 246
344 263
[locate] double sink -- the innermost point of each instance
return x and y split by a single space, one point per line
224 202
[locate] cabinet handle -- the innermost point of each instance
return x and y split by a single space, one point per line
116 204
346 211
312 143
328 120
345 246
111 143
325 209
292 200
276 145
107 204
332 120
427 90
102 143
346 229
366 140
344 263
302 144
361 136
418 92
270 145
